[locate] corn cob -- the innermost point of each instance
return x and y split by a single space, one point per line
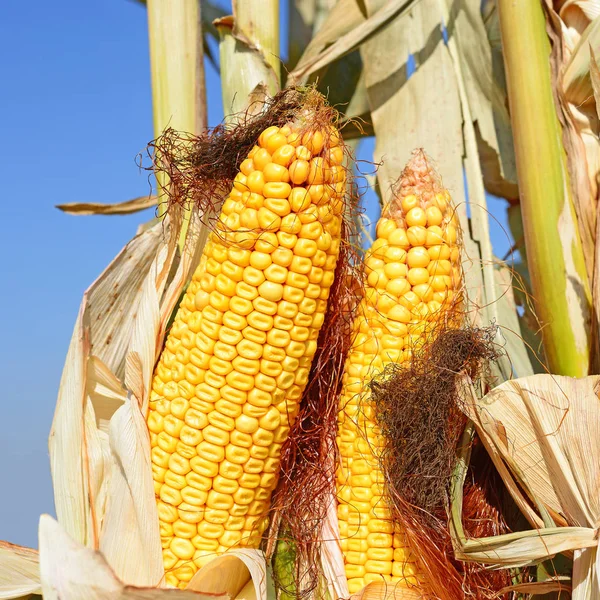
227 387
413 271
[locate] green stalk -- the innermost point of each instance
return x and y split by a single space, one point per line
258 21
555 257
177 71
249 54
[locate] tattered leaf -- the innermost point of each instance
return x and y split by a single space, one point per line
355 34
120 208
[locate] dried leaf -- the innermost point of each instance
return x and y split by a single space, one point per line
70 571
111 302
546 430
483 75
355 30
345 16
576 111
67 442
120 208
19 571
106 390
130 528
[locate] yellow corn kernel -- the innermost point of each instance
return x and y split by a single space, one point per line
239 352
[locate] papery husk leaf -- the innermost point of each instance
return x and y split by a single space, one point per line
583 127
107 391
131 526
239 573
111 300
576 15
119 208
19 571
546 430
70 571
103 328
67 444
131 486
103 486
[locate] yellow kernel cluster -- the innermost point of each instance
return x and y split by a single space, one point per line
413 271
228 384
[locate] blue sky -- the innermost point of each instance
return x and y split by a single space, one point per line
75 112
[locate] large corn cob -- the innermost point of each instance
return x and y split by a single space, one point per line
228 384
413 272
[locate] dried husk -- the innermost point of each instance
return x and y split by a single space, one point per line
543 435
19 571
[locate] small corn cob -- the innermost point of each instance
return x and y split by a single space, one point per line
413 270
228 384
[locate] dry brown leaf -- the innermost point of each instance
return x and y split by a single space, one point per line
19 571
119 208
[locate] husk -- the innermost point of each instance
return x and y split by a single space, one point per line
99 444
70 571
19 571
543 434
246 575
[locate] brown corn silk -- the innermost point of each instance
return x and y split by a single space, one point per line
418 411
227 387
413 287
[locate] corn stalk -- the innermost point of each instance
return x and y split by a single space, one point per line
177 70
249 52
556 263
